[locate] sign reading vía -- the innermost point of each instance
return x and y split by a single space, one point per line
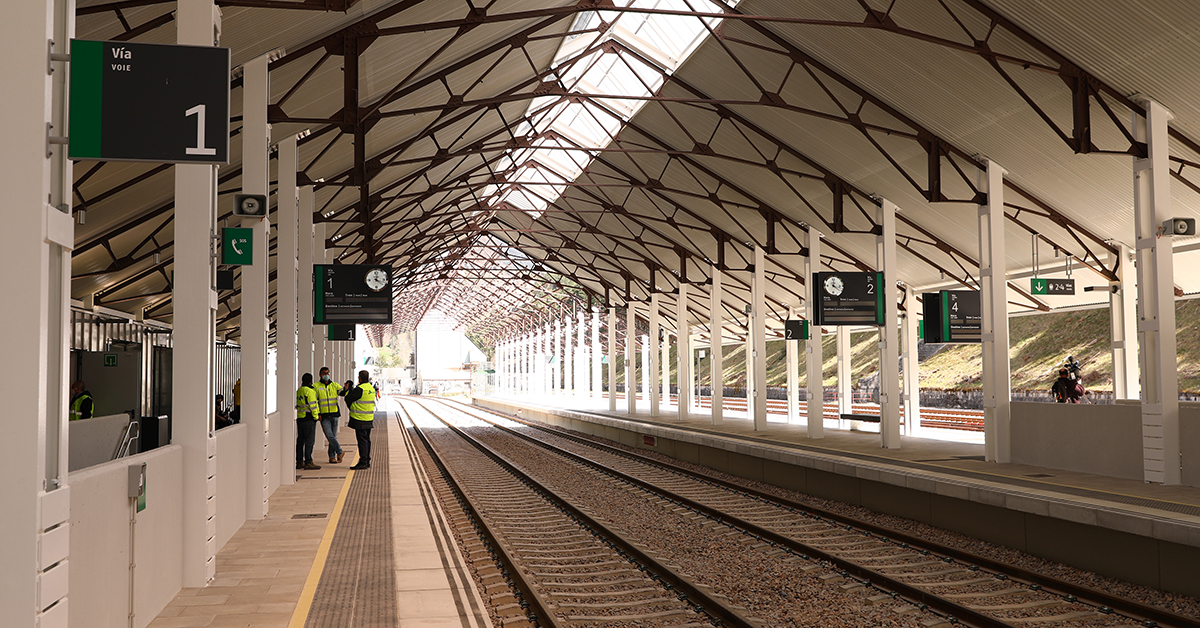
352 294
149 102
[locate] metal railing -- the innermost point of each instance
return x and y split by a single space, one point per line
132 432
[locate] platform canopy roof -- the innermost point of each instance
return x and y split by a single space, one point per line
511 158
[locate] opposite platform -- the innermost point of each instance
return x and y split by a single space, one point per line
1144 533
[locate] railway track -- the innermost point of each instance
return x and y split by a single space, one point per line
887 565
548 563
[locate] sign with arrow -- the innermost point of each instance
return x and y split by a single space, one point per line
1060 287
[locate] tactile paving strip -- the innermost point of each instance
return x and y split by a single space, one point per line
358 587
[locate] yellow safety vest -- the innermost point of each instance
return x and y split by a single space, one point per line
364 408
77 407
327 396
306 403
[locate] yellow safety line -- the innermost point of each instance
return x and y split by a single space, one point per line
300 615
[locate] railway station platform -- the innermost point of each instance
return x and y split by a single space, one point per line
1144 533
342 549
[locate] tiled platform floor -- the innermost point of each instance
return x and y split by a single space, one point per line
261 572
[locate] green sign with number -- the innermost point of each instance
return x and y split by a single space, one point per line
1052 286
149 102
237 246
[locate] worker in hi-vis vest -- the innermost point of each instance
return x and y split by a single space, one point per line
328 392
307 414
81 402
362 417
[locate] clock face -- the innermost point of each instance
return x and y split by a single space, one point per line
834 285
376 279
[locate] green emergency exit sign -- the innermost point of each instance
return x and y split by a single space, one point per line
237 246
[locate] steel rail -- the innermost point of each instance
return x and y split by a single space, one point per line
539 614
684 585
1068 590
916 595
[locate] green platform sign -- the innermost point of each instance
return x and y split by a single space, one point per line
1061 287
237 246
149 102
795 329
341 332
110 359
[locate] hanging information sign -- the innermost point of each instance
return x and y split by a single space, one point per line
847 298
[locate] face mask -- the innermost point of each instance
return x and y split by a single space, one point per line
325 379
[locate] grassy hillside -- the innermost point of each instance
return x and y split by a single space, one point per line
1037 343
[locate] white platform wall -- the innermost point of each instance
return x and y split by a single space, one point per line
1099 439
100 535
100 531
231 482
93 440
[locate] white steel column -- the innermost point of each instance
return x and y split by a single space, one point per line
543 361
1156 300
312 247
814 357
910 366
683 353
612 359
289 240
758 333
256 137
524 364
889 357
582 356
693 334
1122 307
845 378
793 373
39 236
315 335
647 366
596 354
650 356
630 358
194 303
717 369
556 372
569 349
993 295
549 346
665 363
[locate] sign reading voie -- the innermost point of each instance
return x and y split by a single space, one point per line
352 294
149 102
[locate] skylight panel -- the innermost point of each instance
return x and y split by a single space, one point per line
665 40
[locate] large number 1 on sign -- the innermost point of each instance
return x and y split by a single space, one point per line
198 111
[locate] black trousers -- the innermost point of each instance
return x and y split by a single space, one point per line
362 434
306 437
